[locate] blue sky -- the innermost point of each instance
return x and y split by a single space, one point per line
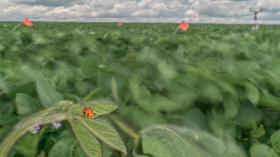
174 11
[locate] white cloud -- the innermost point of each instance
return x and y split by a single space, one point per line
191 13
200 11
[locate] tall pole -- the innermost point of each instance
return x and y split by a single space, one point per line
255 15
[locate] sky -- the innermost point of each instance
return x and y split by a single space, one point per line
164 11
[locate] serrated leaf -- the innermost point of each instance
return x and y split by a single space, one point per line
275 141
87 141
105 133
262 150
100 107
26 105
252 93
47 95
63 148
97 93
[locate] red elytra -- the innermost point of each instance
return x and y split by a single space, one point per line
88 112
27 22
184 26
119 23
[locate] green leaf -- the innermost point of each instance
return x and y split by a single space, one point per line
106 151
238 134
254 126
123 126
231 106
100 107
275 141
97 93
64 134
8 107
90 66
184 99
115 92
42 154
248 113
133 116
29 89
260 131
194 118
47 95
84 87
210 92
6 118
26 105
78 152
270 102
166 70
226 87
164 142
257 132
161 103
252 93
25 152
270 118
4 131
70 97
63 148
27 145
5 86
105 133
262 150
87 141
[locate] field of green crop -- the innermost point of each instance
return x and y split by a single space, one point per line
213 90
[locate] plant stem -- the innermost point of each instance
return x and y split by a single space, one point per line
41 117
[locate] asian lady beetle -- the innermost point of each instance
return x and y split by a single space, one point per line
88 112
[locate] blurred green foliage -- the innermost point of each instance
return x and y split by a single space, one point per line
213 77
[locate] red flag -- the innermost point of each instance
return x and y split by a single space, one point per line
27 22
119 23
184 26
